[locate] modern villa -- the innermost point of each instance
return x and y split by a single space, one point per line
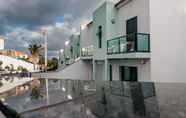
130 40
128 61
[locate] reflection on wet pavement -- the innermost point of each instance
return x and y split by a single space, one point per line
100 99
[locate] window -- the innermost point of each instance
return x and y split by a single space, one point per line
110 70
61 62
99 34
128 73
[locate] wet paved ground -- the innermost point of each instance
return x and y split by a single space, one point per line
78 99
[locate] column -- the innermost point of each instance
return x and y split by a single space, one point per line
106 70
94 69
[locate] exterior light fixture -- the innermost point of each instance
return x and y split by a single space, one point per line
62 50
113 21
67 43
83 27
77 59
2 99
69 97
83 49
63 89
26 87
22 88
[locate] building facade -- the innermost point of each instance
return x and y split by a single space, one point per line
136 40
2 43
14 53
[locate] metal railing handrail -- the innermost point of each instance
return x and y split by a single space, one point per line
128 35
115 43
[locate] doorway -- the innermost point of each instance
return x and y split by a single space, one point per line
131 31
128 73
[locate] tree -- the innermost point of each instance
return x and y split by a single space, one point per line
52 64
24 70
19 68
1 63
7 68
1 84
35 51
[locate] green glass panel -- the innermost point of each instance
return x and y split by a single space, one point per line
123 44
143 42
113 46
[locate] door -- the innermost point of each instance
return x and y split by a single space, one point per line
110 72
131 31
128 73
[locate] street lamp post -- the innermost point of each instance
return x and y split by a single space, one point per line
60 54
46 55
45 31
66 44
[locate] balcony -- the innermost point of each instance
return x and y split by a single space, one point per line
133 43
87 51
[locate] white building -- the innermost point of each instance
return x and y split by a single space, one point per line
137 40
16 63
2 43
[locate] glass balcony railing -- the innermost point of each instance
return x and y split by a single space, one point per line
87 51
137 42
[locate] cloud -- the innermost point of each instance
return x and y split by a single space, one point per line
20 20
34 13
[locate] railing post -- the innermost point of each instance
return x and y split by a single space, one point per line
119 46
107 47
136 42
149 43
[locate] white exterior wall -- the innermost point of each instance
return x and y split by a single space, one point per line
143 68
168 40
87 36
139 8
100 19
100 70
2 44
16 63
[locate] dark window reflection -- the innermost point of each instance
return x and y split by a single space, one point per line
127 99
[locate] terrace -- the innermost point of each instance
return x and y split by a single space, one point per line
87 52
136 43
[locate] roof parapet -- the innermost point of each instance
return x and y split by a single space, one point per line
121 3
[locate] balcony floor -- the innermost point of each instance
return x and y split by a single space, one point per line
137 55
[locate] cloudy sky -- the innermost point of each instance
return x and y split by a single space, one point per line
21 20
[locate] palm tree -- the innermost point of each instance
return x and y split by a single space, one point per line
7 68
19 68
35 51
1 83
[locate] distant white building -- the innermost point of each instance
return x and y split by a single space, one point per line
15 58
2 43
16 63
